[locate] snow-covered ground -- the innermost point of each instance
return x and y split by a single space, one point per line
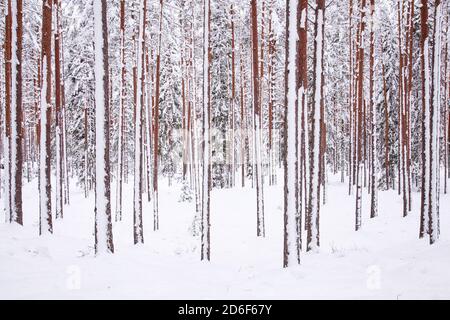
383 260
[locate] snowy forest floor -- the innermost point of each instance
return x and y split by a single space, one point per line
383 260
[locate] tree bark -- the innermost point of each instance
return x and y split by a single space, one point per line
46 118
103 224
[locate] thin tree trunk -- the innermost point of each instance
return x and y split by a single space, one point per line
206 112
8 100
292 216
58 106
45 219
315 141
120 151
373 116
303 99
360 106
386 130
16 113
433 209
425 71
103 224
138 231
156 124
260 228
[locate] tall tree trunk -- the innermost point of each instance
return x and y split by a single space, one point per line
156 125
103 224
243 120
373 116
433 209
58 116
350 99
386 130
425 71
138 232
260 229
360 106
292 222
7 141
315 141
45 219
206 113
233 97
302 62
120 151
16 113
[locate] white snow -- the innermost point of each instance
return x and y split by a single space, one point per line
385 260
303 19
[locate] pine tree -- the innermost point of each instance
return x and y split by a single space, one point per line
206 156
373 117
121 121
45 211
138 145
292 217
103 224
315 140
433 209
425 72
58 117
260 228
359 113
15 113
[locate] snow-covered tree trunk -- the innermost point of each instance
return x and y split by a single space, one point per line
7 140
15 163
206 156
65 163
350 97
292 222
302 87
58 115
386 129
45 218
242 119
138 152
447 107
120 151
425 71
260 228
103 224
315 141
233 97
271 98
86 151
148 120
156 124
433 209
409 96
373 116
360 114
